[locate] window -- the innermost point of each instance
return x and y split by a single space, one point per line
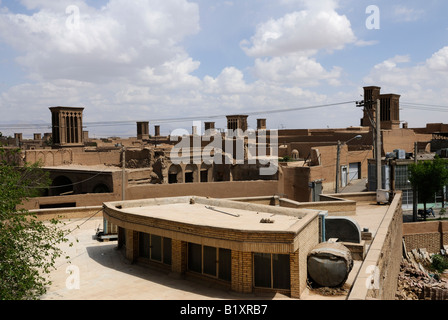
280 271
225 264
155 248
401 177
166 250
189 177
271 271
262 270
211 261
172 178
121 237
144 245
195 257
204 176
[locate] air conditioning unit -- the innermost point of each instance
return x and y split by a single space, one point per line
400 153
382 196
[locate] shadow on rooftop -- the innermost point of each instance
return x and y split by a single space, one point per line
109 256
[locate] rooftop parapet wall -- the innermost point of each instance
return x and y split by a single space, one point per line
68 213
223 189
75 201
377 276
356 196
334 206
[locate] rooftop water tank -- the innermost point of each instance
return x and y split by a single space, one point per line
329 264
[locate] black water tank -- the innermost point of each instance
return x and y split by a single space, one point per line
329 264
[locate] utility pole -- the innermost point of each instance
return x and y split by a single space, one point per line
378 146
337 166
123 172
414 192
376 133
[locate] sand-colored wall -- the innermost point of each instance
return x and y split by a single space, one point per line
402 139
378 274
225 189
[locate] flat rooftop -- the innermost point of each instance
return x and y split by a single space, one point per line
216 213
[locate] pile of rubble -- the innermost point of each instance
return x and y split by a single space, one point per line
328 291
415 282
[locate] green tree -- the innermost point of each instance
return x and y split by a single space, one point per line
428 177
28 246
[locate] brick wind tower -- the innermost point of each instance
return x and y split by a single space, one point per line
389 108
66 124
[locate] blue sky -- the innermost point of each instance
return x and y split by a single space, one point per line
161 59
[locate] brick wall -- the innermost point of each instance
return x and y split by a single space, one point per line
131 245
431 235
377 277
179 256
294 263
308 239
242 280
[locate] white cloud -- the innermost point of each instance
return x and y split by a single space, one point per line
439 61
118 39
285 48
392 62
318 27
416 82
406 14
294 69
229 81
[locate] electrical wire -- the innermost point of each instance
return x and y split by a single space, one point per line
164 120
425 107
77 227
408 105
86 219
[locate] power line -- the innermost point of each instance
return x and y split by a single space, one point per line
424 104
408 105
164 120
425 107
